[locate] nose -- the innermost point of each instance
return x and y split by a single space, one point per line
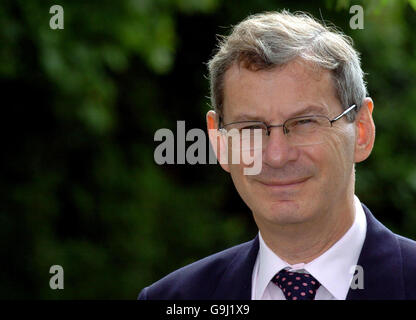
278 151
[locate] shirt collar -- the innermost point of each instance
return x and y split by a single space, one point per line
269 265
334 269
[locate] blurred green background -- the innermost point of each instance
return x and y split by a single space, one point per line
80 106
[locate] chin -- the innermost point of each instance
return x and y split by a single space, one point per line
284 212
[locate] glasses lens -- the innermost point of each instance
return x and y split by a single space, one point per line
247 136
307 130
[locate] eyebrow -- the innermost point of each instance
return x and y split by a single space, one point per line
315 109
310 109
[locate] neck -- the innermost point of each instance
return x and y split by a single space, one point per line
304 242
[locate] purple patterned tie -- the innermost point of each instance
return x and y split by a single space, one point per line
295 285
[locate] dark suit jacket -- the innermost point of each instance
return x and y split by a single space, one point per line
388 261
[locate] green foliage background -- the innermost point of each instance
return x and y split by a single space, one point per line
80 106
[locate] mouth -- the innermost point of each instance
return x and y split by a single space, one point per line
284 184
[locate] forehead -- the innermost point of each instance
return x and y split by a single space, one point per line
278 92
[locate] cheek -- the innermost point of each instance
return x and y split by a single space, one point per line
333 158
340 152
244 185
345 143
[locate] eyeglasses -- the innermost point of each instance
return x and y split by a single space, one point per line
300 131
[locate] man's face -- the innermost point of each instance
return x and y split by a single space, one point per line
297 183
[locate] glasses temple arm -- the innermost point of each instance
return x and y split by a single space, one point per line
344 113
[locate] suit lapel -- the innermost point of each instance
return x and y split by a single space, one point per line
381 261
235 283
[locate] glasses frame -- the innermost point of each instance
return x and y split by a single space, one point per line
283 125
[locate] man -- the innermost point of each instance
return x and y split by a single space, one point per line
301 84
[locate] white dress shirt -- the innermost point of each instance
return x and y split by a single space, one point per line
334 269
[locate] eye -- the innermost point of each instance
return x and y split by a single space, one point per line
254 126
303 122
251 128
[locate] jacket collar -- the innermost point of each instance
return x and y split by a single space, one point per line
380 260
235 283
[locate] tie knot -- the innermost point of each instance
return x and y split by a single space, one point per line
296 285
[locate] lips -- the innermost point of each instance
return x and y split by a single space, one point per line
284 183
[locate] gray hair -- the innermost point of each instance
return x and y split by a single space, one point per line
272 39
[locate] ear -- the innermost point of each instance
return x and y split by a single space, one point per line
218 140
366 131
